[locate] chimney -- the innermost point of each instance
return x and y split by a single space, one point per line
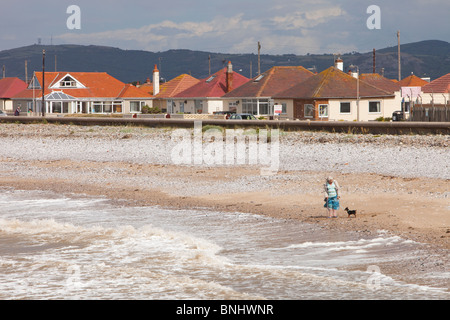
339 63
155 81
229 77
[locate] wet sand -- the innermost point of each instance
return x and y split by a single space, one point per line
415 208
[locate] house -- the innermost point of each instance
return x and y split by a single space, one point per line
411 91
437 91
336 95
81 92
381 82
164 94
256 96
385 84
207 95
9 87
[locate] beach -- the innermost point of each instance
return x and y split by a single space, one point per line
397 184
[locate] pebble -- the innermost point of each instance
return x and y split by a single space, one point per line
392 155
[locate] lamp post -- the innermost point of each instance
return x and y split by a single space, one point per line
357 90
43 83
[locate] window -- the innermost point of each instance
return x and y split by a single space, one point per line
345 107
182 106
210 79
68 82
374 107
198 104
257 79
232 106
65 107
250 106
323 111
56 107
263 106
309 110
117 107
97 107
284 108
107 107
136 106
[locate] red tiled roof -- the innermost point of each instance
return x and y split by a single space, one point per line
98 85
130 91
9 87
412 81
332 83
177 85
271 82
213 86
439 85
381 82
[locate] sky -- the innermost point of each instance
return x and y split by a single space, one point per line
232 26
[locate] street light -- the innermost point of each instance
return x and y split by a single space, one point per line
357 90
43 83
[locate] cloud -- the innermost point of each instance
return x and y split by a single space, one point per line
235 34
308 19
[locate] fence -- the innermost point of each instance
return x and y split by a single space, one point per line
426 113
351 127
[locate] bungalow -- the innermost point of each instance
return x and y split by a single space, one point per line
81 92
411 91
437 91
336 95
257 95
165 93
385 84
9 87
207 95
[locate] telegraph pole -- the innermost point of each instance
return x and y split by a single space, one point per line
259 58
399 58
374 67
43 83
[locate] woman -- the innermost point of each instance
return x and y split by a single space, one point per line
331 197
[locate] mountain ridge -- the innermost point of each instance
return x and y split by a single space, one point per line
428 58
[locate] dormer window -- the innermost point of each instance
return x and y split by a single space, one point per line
68 82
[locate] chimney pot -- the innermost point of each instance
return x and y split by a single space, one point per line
155 81
229 77
339 64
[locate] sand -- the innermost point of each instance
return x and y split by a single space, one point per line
413 206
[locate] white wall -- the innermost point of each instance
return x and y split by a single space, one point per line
439 98
6 104
289 107
387 107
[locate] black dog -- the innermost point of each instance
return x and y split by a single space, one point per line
350 212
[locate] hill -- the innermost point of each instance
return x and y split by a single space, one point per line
426 58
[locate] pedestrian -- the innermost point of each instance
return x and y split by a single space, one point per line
332 197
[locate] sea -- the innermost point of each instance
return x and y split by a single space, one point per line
81 248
